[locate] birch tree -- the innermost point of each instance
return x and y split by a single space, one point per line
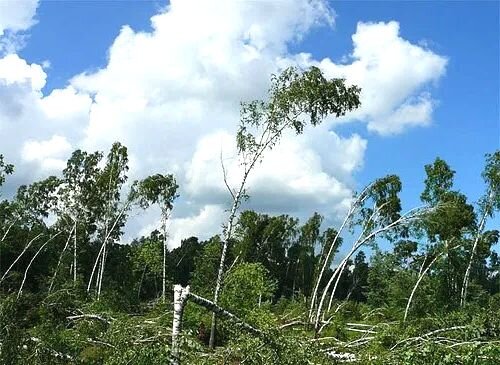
489 204
79 206
328 252
444 228
296 98
447 227
161 190
375 213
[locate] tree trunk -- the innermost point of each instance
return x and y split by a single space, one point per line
60 259
100 274
74 257
463 294
180 297
33 259
164 273
140 283
362 239
421 276
349 214
227 237
104 245
19 256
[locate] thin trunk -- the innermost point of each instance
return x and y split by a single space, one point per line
74 256
295 278
362 239
423 265
101 272
8 229
356 203
140 283
336 285
336 274
220 273
421 276
60 259
267 138
104 243
96 262
463 294
107 233
164 273
18 257
33 259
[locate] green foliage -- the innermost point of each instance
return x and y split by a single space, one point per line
269 273
157 189
293 93
206 265
5 169
439 181
246 287
491 175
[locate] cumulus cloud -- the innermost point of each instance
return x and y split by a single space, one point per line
28 119
15 16
394 76
172 96
14 70
49 154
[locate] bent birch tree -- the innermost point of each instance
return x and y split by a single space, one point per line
488 205
296 98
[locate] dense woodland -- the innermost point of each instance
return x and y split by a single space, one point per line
384 286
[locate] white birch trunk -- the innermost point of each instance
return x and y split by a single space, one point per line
220 273
33 259
104 244
465 284
348 216
421 276
164 272
362 239
74 256
101 272
60 259
20 255
180 297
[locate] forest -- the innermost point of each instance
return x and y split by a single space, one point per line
383 286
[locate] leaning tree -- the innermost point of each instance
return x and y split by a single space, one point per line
296 98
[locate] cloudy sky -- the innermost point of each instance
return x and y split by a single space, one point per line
166 80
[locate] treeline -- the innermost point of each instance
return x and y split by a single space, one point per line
63 234
285 291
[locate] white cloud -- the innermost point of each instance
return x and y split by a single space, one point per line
291 178
15 16
202 224
172 96
50 154
14 70
413 112
394 76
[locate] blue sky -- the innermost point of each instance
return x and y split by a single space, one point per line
75 37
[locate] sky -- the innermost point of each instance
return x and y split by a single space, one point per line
166 80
